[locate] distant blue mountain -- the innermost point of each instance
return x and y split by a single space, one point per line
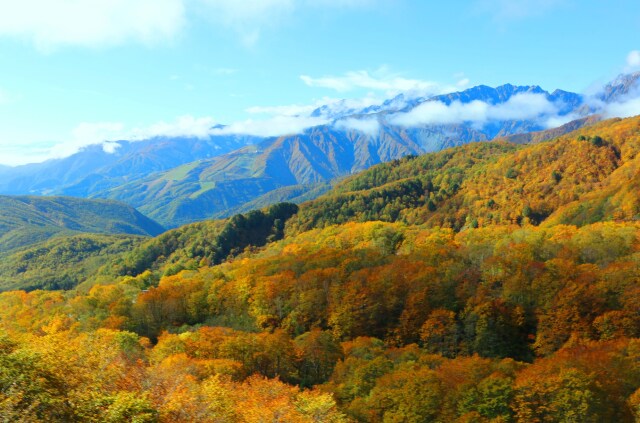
93 169
620 88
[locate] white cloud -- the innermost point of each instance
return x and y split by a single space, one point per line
354 103
628 104
556 121
276 126
184 126
110 147
435 112
97 132
108 133
381 80
369 126
519 107
522 106
91 23
463 83
633 61
510 10
85 134
625 109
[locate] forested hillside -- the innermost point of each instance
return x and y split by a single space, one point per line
71 259
62 262
25 220
491 282
585 176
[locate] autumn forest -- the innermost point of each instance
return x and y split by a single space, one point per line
491 282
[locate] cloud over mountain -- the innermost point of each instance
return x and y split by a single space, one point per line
368 126
523 106
633 61
273 127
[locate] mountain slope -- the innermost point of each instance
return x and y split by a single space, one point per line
584 176
213 187
62 262
620 88
548 134
26 220
194 245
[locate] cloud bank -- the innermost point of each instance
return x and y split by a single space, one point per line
367 126
624 109
274 127
107 134
519 107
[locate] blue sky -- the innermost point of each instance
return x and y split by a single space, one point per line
74 73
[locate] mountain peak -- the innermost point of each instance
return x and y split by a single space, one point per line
488 94
620 87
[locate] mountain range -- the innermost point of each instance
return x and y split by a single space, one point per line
181 180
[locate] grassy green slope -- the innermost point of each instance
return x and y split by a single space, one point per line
26 220
197 191
61 262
